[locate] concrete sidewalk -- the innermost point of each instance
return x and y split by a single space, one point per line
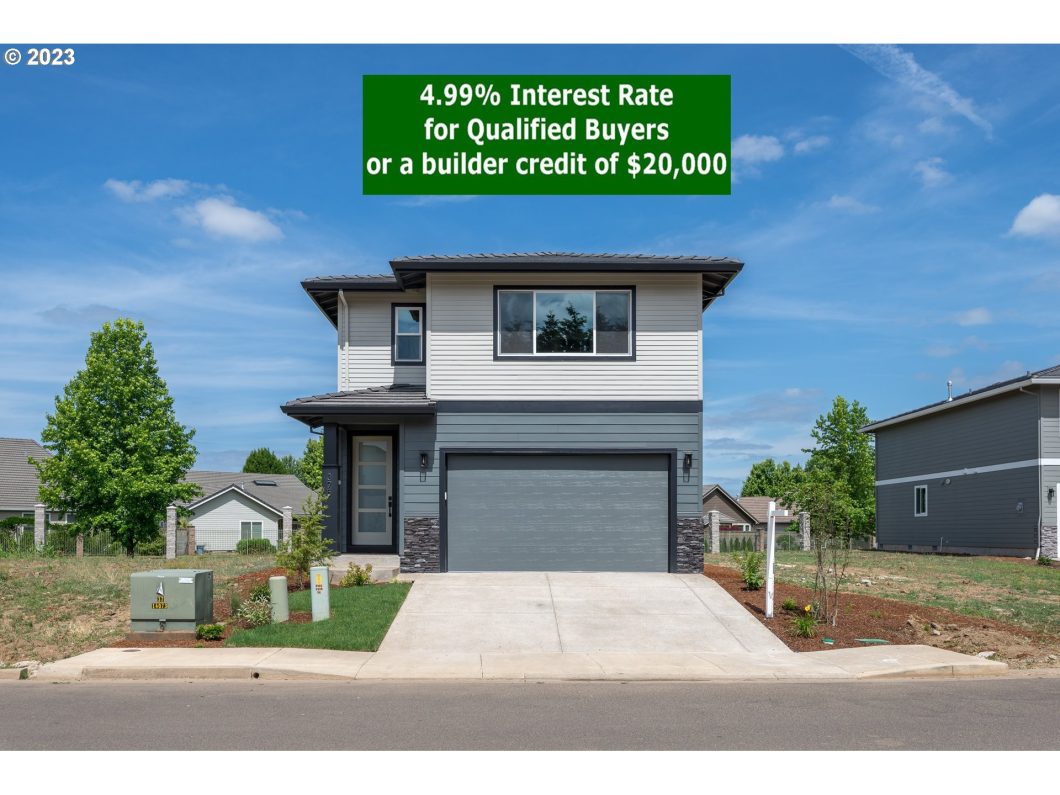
840 664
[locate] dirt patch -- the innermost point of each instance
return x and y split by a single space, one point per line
895 622
241 586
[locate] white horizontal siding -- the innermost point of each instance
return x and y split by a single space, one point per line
364 341
460 342
217 522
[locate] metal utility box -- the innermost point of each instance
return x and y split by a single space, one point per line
171 600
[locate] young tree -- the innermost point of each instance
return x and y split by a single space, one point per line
264 461
838 491
769 479
307 546
311 465
118 452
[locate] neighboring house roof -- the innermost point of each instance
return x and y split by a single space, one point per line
758 507
288 490
1050 375
411 272
743 517
392 399
19 484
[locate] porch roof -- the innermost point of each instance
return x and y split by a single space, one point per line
387 400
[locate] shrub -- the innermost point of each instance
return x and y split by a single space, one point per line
750 564
357 575
255 546
256 613
261 592
235 604
804 626
156 547
210 631
790 605
1045 560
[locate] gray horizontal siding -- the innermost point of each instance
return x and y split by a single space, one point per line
972 511
995 431
1050 400
682 432
1050 480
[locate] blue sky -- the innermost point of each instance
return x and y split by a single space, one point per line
897 210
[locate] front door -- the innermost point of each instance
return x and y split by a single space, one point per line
373 499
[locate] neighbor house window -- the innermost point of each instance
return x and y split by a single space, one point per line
920 501
408 333
564 323
249 530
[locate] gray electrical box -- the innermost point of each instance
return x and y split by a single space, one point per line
171 600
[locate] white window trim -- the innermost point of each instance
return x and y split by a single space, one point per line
417 334
533 322
916 492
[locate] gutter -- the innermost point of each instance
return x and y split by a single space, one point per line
872 427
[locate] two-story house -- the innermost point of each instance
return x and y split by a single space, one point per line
978 473
518 411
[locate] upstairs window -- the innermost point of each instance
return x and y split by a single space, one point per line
560 323
920 501
408 336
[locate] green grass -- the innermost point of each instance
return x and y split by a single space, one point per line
360 618
56 607
1015 591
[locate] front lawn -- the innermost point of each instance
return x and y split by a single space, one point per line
360 618
1014 591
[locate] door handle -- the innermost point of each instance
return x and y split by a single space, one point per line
389 506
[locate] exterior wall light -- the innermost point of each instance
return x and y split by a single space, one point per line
688 461
423 462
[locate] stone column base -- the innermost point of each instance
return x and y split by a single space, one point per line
421 546
690 545
1049 543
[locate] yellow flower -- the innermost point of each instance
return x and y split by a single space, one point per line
807 608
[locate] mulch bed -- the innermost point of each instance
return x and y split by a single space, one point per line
222 614
890 620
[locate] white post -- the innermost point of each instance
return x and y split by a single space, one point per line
771 543
39 522
171 532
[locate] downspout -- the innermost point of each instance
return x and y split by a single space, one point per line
344 330
1041 481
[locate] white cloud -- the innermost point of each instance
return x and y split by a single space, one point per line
900 66
935 126
812 144
431 201
137 191
1041 217
850 205
977 316
222 217
757 149
931 172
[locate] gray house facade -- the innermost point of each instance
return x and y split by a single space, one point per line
518 412
976 474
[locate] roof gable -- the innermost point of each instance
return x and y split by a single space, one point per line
714 489
19 484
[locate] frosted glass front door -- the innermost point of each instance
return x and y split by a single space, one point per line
373 502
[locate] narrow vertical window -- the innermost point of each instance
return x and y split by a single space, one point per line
920 504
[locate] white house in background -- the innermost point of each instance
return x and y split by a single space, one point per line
238 505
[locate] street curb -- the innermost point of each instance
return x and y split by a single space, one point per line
13 674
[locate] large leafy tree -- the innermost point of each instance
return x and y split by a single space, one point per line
311 465
769 479
265 461
118 452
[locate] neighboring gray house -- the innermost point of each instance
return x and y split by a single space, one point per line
731 514
19 484
242 505
978 473
518 411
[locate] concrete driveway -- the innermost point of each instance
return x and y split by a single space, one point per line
571 612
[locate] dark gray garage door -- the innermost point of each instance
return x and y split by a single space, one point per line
558 512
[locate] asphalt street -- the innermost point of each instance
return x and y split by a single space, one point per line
999 714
